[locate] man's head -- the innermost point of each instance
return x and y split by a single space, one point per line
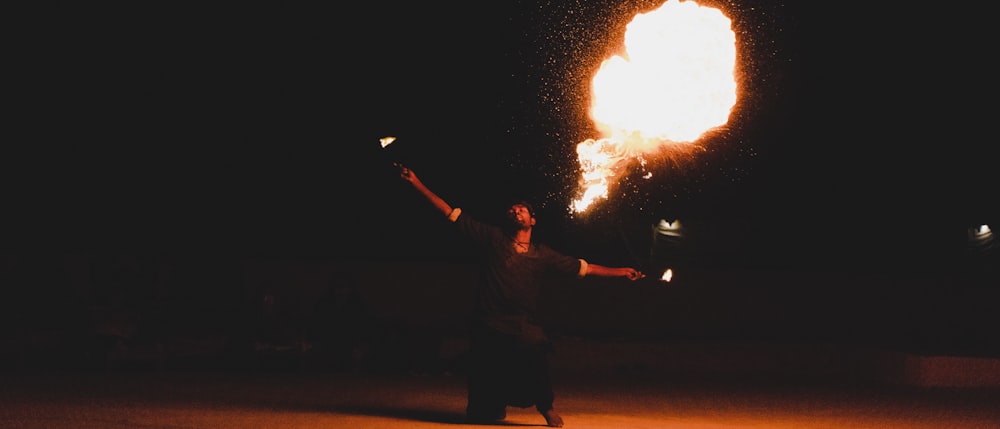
521 215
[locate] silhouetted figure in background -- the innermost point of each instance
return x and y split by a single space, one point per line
345 326
508 348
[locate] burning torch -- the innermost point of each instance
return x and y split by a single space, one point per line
384 142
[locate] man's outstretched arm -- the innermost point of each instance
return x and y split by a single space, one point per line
603 271
438 203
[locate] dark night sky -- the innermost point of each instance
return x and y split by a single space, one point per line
254 129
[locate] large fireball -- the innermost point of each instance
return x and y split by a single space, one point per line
675 82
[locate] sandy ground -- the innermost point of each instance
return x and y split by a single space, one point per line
208 400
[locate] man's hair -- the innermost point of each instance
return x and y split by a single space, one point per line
531 207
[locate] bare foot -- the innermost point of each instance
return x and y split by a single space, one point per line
552 418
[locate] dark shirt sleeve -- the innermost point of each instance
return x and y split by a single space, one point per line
563 264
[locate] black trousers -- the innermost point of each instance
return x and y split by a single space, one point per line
505 370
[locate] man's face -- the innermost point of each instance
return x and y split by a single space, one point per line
520 217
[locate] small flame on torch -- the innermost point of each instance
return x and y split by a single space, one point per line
386 141
667 275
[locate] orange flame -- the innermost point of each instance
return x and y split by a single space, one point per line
677 82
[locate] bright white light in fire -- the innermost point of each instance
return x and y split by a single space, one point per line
677 82
386 141
667 275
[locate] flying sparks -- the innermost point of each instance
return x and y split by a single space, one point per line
676 82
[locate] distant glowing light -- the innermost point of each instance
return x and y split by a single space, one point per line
386 141
676 82
981 237
667 275
669 228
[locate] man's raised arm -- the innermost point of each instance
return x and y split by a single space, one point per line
439 203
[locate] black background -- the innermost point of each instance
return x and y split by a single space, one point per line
253 129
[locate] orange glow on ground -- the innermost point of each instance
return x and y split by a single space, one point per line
590 401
